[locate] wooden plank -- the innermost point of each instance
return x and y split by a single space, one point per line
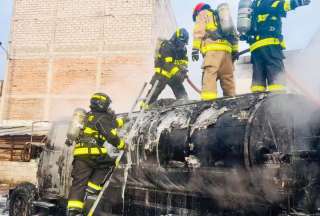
12 147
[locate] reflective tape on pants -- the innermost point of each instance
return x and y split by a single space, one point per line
75 204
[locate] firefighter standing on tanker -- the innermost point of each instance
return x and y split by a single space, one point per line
91 159
218 50
171 65
266 43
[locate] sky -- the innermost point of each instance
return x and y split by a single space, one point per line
5 19
299 27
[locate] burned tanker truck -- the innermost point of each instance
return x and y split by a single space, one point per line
254 154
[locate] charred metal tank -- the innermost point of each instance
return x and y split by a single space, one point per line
254 154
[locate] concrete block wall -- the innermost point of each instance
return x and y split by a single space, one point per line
64 50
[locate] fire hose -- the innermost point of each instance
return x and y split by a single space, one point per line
193 85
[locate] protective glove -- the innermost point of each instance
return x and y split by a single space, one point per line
143 105
195 54
112 151
303 2
68 142
122 145
120 122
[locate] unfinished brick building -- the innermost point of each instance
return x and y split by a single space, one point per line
64 50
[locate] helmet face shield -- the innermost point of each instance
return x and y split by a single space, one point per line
183 40
181 37
100 102
180 44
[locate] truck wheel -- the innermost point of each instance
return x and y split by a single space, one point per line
21 198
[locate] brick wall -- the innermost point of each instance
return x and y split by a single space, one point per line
64 50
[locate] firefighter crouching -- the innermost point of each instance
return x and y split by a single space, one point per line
171 65
266 43
218 48
91 159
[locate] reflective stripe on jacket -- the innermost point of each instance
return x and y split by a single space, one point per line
170 60
93 151
266 42
99 127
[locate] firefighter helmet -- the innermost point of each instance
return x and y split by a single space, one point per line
198 8
100 102
181 36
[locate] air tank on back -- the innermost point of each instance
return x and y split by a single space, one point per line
76 124
244 16
225 19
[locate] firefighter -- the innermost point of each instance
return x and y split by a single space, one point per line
91 159
267 44
171 65
218 50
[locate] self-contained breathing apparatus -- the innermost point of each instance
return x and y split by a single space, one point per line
244 16
76 125
225 26
248 22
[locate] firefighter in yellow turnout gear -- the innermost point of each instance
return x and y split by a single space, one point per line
217 50
91 159
266 43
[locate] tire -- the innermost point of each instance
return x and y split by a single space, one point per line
21 198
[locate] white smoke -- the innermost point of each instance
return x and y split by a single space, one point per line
303 70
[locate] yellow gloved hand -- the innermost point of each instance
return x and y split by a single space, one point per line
122 145
120 122
143 105
117 162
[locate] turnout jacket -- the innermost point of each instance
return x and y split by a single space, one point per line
99 127
266 26
208 36
170 60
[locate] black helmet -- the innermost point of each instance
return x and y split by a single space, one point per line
181 36
100 102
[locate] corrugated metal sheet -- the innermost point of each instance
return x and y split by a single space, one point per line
35 130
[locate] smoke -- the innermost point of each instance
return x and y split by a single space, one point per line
62 106
126 82
303 70
120 78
